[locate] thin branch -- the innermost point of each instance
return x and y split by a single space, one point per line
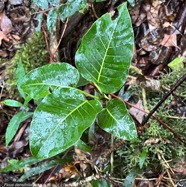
174 87
64 29
46 41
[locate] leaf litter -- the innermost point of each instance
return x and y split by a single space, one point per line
160 37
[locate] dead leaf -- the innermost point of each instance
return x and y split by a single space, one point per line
16 37
137 113
67 172
3 53
6 24
3 37
17 147
169 40
151 40
149 84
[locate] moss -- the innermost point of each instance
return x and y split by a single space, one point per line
33 55
166 145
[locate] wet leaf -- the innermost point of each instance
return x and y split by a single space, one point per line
51 19
14 124
54 2
59 121
106 50
69 8
43 4
11 102
38 81
116 120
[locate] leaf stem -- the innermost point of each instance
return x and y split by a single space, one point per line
87 94
98 88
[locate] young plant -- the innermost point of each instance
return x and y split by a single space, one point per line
64 113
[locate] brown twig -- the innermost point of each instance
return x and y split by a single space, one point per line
64 29
174 87
46 41
48 9
93 10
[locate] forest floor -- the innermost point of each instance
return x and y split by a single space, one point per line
158 157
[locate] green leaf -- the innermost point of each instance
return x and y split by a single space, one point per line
70 8
38 81
41 168
132 2
106 51
116 120
39 18
176 64
143 157
100 183
43 4
16 164
83 146
54 2
20 73
59 121
51 19
82 82
11 102
129 181
14 124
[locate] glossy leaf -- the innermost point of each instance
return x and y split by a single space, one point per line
106 51
39 18
116 120
51 19
38 81
11 102
43 4
70 7
59 121
14 124
54 2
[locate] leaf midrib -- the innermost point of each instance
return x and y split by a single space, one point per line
112 116
63 119
103 61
